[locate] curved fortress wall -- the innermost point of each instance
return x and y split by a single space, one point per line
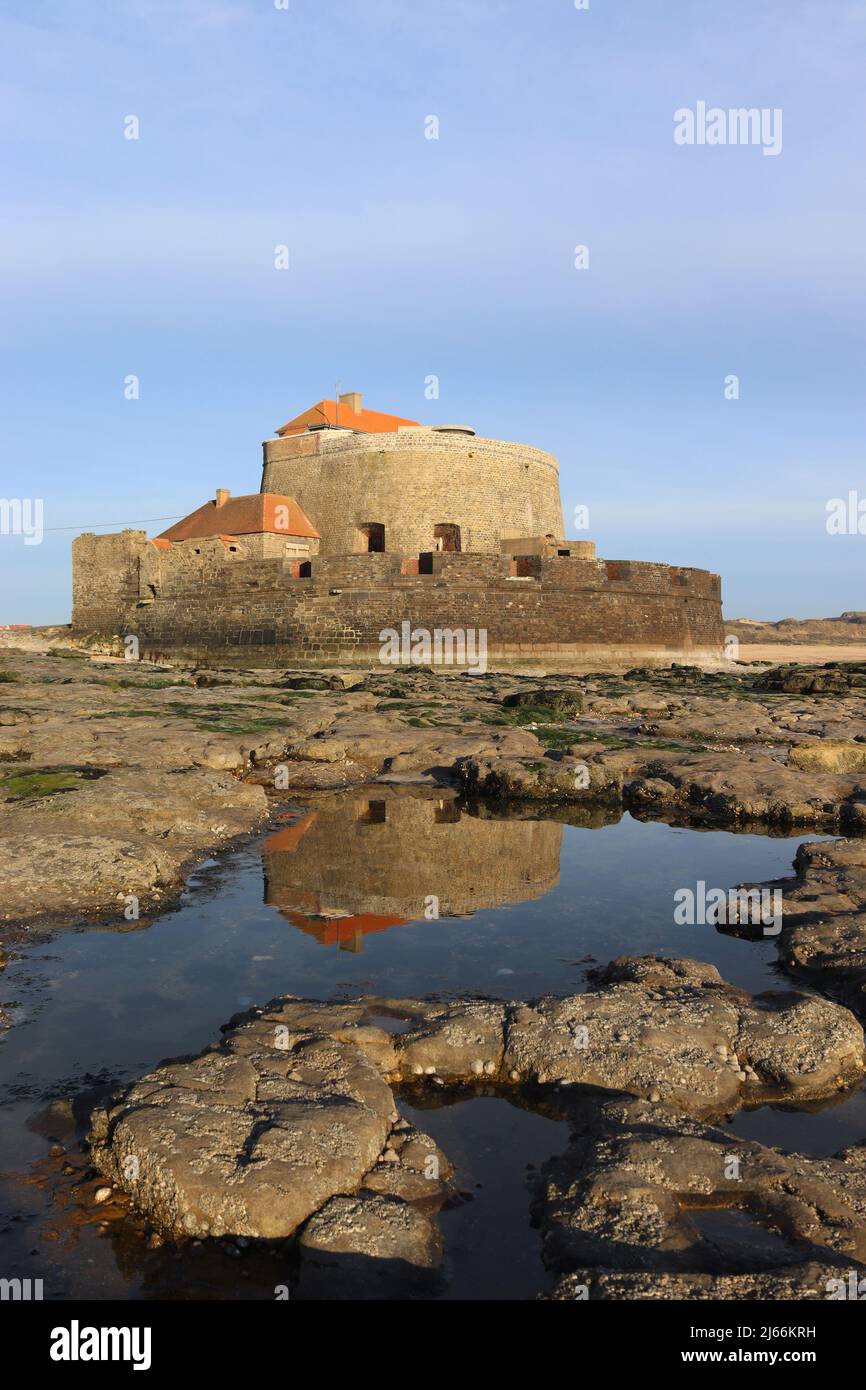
413 481
195 604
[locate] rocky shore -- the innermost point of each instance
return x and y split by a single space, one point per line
117 778
290 1124
650 1203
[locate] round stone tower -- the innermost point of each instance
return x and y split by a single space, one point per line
416 489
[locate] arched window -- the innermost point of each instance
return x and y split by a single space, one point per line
446 536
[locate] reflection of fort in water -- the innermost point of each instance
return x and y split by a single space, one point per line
357 864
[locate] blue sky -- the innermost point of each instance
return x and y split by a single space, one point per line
455 257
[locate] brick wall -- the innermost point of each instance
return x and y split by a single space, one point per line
249 612
412 481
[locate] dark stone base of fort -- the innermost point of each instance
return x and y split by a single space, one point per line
333 610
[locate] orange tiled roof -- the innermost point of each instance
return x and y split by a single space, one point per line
334 930
333 413
286 841
243 516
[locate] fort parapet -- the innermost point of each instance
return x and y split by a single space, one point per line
201 603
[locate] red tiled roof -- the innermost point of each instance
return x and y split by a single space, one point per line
287 840
342 415
328 931
244 516
334 930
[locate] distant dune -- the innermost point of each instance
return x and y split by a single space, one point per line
849 629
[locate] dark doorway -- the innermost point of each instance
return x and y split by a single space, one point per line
370 537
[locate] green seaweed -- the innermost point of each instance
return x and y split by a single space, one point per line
22 786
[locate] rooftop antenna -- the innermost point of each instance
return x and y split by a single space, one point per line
336 405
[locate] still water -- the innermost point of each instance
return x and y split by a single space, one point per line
341 898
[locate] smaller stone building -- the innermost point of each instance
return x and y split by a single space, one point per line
259 525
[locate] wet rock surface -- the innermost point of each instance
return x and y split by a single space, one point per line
131 832
823 937
809 1280
245 1142
376 1246
723 787
260 1131
670 1030
652 1203
115 779
130 770
293 1113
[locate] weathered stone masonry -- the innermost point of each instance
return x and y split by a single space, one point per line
413 480
366 522
200 605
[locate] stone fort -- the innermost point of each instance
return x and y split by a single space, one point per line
367 522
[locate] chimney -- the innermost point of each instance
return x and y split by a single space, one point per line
353 400
222 496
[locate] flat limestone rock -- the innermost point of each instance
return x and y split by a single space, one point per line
671 1038
799 1042
669 1030
132 831
249 1140
374 1224
824 924
829 755
725 785
649 1190
456 1041
823 936
47 874
295 1105
370 1246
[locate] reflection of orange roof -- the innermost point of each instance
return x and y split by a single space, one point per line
331 931
288 839
244 516
342 415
